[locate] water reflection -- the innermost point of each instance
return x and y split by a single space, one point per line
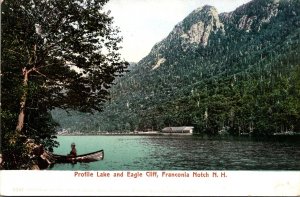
198 154
186 153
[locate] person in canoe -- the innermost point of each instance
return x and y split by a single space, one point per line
73 152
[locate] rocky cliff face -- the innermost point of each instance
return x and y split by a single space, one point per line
193 32
197 28
251 16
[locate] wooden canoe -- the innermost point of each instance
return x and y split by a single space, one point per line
85 158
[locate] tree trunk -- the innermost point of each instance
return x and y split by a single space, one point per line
21 118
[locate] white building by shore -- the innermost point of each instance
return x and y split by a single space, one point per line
187 130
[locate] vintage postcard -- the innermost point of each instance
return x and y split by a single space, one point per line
150 97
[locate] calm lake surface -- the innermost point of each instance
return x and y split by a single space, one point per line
180 153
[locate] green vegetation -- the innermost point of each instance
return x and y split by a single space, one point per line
243 81
54 54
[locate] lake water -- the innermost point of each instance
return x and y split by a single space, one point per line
180 153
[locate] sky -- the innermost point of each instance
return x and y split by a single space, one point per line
143 23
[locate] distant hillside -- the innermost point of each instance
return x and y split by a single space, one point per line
234 72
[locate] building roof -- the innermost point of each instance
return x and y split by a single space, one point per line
174 129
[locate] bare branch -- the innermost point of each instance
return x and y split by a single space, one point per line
34 69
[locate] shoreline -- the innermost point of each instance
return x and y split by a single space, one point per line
203 136
128 134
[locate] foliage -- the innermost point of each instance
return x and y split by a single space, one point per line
243 81
54 54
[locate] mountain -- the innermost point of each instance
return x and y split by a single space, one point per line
235 72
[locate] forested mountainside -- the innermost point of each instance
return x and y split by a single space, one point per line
236 72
